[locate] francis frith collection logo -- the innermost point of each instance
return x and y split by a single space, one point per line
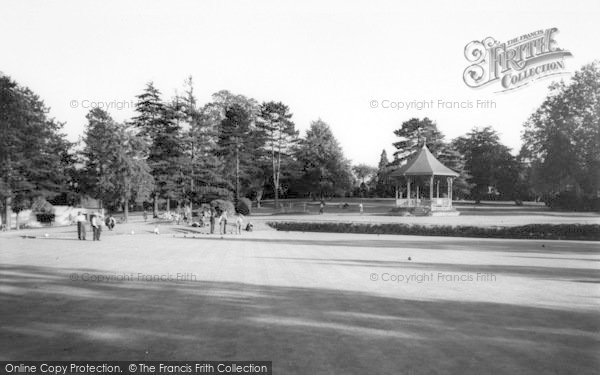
515 63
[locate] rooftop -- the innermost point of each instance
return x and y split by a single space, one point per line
423 164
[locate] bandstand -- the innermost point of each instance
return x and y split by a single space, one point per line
421 171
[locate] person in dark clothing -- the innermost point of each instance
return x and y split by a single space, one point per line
212 214
110 222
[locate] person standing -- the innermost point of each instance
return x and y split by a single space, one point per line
145 215
96 227
80 226
239 221
360 208
224 221
211 218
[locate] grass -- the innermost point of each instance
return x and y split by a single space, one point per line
304 301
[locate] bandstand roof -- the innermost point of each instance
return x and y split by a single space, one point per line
423 164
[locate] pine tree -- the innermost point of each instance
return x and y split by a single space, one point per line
203 172
383 188
412 134
159 127
236 142
280 136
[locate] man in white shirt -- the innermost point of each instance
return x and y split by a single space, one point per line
80 226
96 227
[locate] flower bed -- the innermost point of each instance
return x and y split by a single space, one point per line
587 232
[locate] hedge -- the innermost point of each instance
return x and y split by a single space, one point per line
587 232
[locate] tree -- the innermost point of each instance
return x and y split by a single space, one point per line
453 159
562 137
203 169
362 172
412 134
236 142
324 168
34 155
489 163
158 126
115 171
214 112
131 172
222 162
380 181
280 136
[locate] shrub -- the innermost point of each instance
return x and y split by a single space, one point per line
244 206
222 205
568 200
45 218
589 232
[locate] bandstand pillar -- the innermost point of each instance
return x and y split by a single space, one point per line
431 188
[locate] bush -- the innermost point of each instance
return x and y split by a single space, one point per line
45 218
568 200
589 232
222 205
244 206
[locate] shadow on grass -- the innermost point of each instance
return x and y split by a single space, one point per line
303 330
589 275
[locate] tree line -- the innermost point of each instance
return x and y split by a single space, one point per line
559 162
173 150
177 151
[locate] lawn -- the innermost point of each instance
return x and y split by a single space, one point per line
315 303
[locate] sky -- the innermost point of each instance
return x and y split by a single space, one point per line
341 61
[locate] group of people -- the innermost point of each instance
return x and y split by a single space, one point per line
95 221
212 217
